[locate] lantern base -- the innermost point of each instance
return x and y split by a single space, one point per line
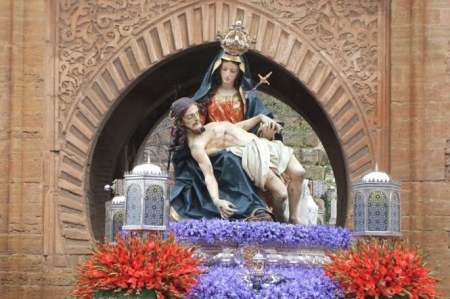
386 234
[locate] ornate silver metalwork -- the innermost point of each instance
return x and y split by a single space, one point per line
232 254
377 209
147 207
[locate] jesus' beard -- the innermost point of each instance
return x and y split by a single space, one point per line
199 130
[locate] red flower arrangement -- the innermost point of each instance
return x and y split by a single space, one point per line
385 268
149 267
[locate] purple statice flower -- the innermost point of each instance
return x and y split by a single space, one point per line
225 232
305 282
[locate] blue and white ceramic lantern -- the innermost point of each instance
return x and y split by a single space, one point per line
377 205
147 200
114 209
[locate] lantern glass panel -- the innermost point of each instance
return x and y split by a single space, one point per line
134 205
377 212
360 212
117 222
395 212
154 206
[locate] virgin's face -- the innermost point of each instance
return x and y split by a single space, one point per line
228 72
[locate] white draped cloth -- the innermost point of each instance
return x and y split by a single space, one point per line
260 155
308 209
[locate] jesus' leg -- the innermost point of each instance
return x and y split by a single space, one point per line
296 174
279 193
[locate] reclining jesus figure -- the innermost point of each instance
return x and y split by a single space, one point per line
263 160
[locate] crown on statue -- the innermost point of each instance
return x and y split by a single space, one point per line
236 41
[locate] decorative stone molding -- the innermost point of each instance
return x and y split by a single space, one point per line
92 32
347 32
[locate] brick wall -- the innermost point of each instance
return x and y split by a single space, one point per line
420 101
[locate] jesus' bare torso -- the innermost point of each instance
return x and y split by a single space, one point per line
219 136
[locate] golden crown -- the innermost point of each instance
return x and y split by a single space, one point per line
236 41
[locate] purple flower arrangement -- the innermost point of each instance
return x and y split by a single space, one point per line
223 232
307 282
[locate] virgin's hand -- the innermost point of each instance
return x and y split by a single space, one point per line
225 208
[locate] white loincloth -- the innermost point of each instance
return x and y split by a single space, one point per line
260 155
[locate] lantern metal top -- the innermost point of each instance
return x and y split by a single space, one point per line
146 168
376 176
118 199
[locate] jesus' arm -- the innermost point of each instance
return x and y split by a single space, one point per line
262 119
225 207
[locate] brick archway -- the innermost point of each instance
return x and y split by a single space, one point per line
178 30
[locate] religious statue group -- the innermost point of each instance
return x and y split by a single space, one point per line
228 158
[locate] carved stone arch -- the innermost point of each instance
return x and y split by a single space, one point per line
183 29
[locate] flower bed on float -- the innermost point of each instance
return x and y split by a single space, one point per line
226 242
224 232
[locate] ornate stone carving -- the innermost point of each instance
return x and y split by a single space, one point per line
91 31
347 31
